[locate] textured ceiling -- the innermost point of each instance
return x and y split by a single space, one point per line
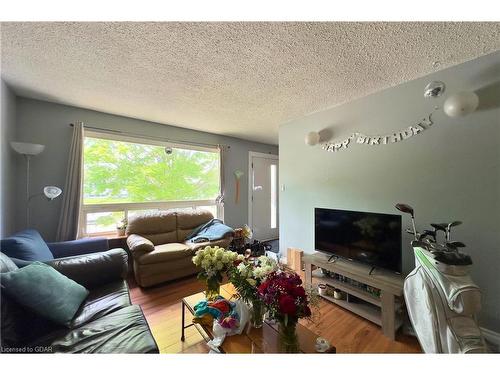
237 79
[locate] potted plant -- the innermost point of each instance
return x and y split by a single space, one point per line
247 276
121 227
214 262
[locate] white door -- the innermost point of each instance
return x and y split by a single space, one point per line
263 195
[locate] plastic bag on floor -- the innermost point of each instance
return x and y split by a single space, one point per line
220 332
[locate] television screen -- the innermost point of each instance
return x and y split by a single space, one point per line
370 238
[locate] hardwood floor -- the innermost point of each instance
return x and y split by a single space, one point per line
348 332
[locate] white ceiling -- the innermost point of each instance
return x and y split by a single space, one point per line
237 79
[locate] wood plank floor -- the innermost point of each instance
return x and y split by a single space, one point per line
348 332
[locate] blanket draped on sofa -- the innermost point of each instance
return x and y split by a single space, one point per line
213 230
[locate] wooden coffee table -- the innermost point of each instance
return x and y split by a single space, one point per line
251 340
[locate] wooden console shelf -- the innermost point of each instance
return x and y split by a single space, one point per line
384 311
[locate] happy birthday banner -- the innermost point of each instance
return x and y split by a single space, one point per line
376 140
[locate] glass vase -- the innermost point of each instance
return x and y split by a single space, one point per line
257 317
213 289
288 339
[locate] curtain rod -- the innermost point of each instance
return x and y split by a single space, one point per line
151 137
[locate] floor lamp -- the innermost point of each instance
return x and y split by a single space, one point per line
29 150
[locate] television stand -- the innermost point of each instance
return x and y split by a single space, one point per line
332 259
356 281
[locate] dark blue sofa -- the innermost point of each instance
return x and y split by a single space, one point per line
28 246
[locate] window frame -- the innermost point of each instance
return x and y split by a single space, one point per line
86 209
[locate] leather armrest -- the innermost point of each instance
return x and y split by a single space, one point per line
78 247
94 269
139 245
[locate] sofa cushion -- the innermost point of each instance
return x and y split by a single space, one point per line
188 220
153 223
102 301
45 291
165 253
20 325
26 245
123 331
161 238
6 264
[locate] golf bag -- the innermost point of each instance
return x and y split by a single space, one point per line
442 302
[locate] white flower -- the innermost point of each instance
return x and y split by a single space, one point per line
219 253
263 259
256 273
205 264
241 266
196 260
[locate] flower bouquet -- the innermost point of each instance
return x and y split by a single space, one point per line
214 262
246 277
287 302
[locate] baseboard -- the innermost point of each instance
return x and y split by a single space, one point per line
492 338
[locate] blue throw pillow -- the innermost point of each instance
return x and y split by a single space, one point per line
45 291
26 245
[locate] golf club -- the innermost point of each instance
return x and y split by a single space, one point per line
454 245
426 233
408 210
440 227
448 229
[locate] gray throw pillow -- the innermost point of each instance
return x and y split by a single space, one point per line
45 291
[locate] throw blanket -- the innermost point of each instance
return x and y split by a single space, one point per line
214 230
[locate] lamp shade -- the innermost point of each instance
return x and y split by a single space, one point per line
312 138
461 104
52 192
27 148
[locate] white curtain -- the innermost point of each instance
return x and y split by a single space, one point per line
70 212
220 197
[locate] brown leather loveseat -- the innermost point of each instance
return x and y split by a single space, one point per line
159 248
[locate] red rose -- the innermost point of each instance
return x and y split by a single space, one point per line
307 311
262 288
287 305
299 292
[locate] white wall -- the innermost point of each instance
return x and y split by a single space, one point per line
7 156
449 172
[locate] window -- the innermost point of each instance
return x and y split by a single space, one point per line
124 177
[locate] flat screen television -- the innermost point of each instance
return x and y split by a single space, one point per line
371 238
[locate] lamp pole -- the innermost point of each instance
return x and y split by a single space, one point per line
27 157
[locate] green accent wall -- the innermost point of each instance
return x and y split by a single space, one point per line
448 172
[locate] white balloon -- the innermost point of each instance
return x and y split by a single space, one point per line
461 104
312 138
